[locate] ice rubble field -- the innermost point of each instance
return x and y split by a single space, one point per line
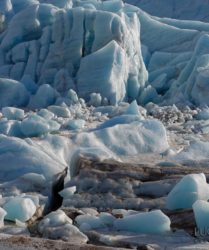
104 80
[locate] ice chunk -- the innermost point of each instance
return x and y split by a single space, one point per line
196 151
34 126
2 215
68 192
191 188
19 157
44 97
95 100
201 213
154 222
93 221
19 208
12 93
145 136
54 219
60 111
107 218
109 81
75 124
72 95
45 113
133 109
13 113
57 225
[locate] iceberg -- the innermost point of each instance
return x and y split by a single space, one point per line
19 208
201 213
57 225
92 221
191 188
154 222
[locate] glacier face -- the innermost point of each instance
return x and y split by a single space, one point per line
61 47
111 48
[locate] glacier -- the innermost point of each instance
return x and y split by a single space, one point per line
103 104
136 66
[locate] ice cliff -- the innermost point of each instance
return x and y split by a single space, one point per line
89 48
109 47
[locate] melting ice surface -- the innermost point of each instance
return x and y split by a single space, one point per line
74 76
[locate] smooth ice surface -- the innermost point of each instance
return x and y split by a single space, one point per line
145 222
191 188
19 208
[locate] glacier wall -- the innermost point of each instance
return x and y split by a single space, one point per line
106 47
82 48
